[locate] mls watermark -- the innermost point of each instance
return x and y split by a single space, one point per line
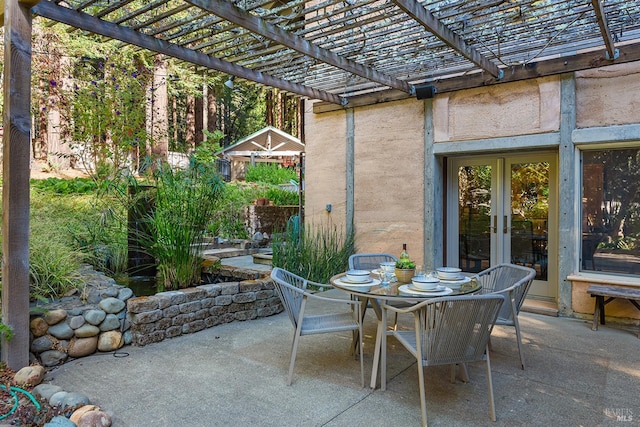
619 414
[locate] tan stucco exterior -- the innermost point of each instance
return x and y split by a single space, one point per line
607 96
391 195
519 108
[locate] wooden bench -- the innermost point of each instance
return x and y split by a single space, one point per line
611 292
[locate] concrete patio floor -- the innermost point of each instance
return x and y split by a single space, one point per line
235 375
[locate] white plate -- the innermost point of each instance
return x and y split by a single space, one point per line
438 288
407 290
459 278
456 284
366 281
360 287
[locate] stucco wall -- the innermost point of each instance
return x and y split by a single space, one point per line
520 108
325 174
389 178
602 96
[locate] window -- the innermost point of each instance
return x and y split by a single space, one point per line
611 211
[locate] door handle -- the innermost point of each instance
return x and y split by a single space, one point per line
505 229
494 228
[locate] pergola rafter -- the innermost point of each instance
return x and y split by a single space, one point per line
89 23
598 7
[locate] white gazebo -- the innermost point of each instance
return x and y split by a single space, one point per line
266 145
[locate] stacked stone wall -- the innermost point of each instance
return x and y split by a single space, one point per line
170 314
105 316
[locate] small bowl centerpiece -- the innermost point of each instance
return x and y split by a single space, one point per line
425 283
405 270
358 276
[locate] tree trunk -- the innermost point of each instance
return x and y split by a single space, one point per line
160 111
212 109
190 136
198 120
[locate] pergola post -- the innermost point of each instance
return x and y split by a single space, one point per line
15 176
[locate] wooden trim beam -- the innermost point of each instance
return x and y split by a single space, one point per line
89 23
15 176
532 70
231 13
598 7
418 12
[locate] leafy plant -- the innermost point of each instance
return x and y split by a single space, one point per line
316 252
281 197
405 264
6 331
184 203
270 174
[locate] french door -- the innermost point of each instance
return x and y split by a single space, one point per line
504 209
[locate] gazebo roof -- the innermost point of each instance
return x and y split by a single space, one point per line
269 141
350 53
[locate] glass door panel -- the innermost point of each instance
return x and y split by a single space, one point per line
504 208
474 218
529 216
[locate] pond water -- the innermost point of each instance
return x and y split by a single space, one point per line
140 285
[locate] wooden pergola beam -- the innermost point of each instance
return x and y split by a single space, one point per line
89 23
598 7
231 13
418 12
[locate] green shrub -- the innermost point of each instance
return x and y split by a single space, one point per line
53 268
314 252
270 174
281 197
184 204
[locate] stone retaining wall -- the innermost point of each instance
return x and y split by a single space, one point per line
171 314
106 316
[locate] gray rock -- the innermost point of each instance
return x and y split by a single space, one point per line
110 323
125 293
52 357
110 292
86 331
61 331
60 421
128 339
94 297
94 317
41 344
76 321
74 312
67 399
45 391
112 305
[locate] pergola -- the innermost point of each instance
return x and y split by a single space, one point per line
344 53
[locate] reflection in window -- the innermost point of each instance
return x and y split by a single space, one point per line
611 211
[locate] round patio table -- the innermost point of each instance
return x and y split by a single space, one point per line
394 292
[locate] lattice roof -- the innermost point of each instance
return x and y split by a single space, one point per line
352 52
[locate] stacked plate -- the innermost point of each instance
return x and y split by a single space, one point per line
438 291
357 280
452 277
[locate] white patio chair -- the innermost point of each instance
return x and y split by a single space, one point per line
294 295
512 281
449 331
